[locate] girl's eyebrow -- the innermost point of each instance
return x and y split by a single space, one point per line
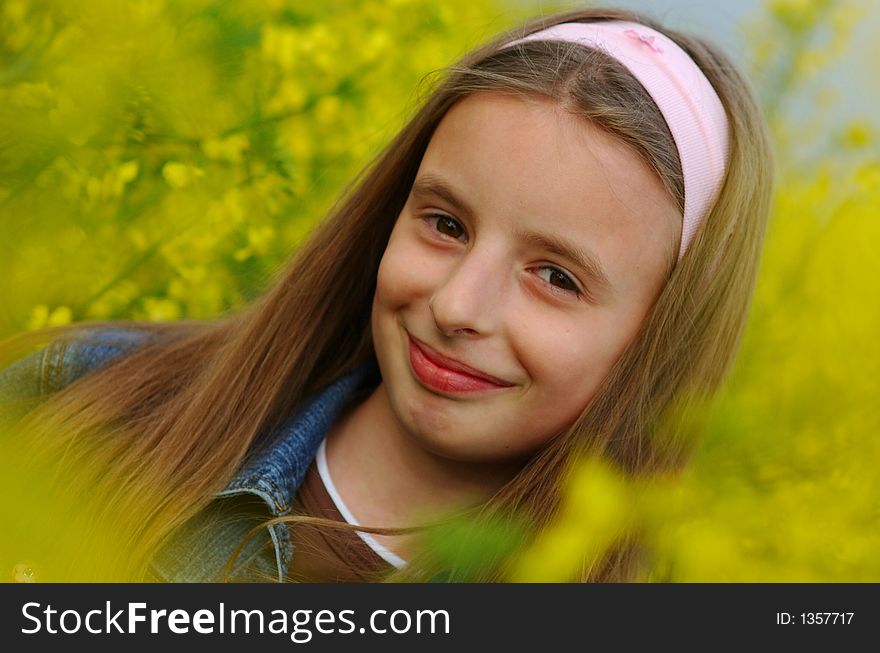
429 184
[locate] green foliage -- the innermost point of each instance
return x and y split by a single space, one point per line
462 546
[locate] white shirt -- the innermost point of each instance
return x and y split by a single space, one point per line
324 472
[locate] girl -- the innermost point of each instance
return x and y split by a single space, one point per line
560 245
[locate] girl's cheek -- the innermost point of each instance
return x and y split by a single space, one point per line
410 270
399 278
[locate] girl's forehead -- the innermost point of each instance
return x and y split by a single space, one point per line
538 155
534 167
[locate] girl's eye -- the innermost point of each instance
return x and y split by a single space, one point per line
446 225
559 280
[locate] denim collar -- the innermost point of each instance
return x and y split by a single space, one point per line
198 552
278 471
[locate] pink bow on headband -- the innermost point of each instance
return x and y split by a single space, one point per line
647 39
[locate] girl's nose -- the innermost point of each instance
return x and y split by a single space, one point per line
466 302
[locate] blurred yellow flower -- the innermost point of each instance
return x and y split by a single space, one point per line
42 317
858 135
159 309
230 149
598 508
180 175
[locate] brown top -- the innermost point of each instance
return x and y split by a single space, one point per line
328 555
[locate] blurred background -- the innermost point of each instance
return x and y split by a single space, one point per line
160 161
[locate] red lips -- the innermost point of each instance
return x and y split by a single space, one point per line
444 373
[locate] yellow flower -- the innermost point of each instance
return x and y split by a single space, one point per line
230 149
858 135
161 310
179 175
597 508
59 316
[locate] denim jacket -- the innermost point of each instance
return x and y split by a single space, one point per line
263 489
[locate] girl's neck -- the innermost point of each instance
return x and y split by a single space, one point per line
387 479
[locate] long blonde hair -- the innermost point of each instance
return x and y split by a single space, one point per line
156 434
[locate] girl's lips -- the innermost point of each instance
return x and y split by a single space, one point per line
435 374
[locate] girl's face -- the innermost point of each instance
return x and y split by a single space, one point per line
529 251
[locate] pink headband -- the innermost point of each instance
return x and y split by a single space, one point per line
685 97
